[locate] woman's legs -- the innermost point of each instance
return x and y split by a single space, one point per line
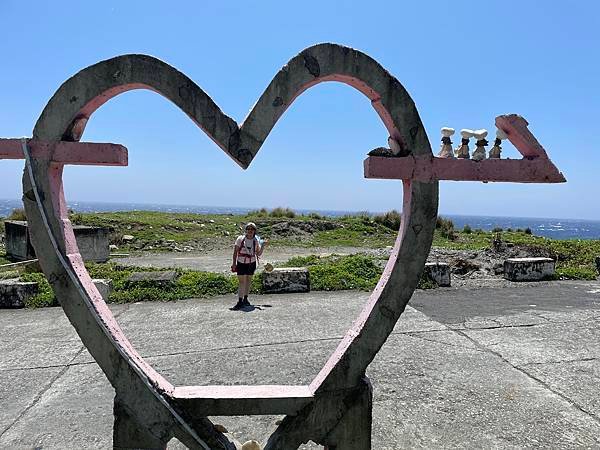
247 285
241 287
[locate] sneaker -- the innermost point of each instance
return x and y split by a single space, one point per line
238 305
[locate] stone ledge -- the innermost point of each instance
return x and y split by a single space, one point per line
528 269
158 279
14 293
288 279
438 272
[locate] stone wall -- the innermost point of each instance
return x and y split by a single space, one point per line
92 242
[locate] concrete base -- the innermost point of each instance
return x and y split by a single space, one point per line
104 286
528 269
14 293
158 279
92 242
289 279
438 272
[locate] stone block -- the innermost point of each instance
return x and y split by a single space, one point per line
528 269
14 293
92 242
288 279
155 279
104 286
438 272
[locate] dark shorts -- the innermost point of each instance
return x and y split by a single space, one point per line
246 269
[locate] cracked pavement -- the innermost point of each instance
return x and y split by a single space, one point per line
504 367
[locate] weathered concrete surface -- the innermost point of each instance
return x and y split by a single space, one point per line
289 279
104 286
92 241
438 272
506 368
158 279
528 269
14 293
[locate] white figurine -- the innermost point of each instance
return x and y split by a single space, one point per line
446 149
394 146
462 151
497 148
479 153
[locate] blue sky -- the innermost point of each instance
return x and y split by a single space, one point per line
463 62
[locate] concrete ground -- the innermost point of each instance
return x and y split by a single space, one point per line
483 368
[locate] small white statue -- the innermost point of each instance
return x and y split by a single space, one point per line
446 149
497 148
394 146
479 153
251 445
462 151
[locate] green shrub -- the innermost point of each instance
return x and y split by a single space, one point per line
527 230
45 295
390 219
445 228
262 212
283 212
17 214
440 222
467 229
497 230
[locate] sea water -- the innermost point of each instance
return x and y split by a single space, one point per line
552 228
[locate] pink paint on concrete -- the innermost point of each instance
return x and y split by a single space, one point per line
63 152
360 86
427 169
97 303
237 392
519 135
359 324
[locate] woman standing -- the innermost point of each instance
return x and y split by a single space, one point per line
246 250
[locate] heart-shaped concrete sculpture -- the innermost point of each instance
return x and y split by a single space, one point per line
148 409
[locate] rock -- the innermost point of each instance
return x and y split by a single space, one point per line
154 279
104 286
438 272
211 221
128 238
528 269
14 293
288 279
113 247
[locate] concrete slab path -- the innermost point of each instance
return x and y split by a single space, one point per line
499 367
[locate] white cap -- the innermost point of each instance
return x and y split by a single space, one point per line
501 134
480 134
466 133
447 132
250 225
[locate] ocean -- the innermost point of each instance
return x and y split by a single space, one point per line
552 228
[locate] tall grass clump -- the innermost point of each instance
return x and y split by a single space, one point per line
17 214
390 219
446 228
283 212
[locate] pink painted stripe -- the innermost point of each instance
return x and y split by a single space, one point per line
519 135
62 152
427 169
238 392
